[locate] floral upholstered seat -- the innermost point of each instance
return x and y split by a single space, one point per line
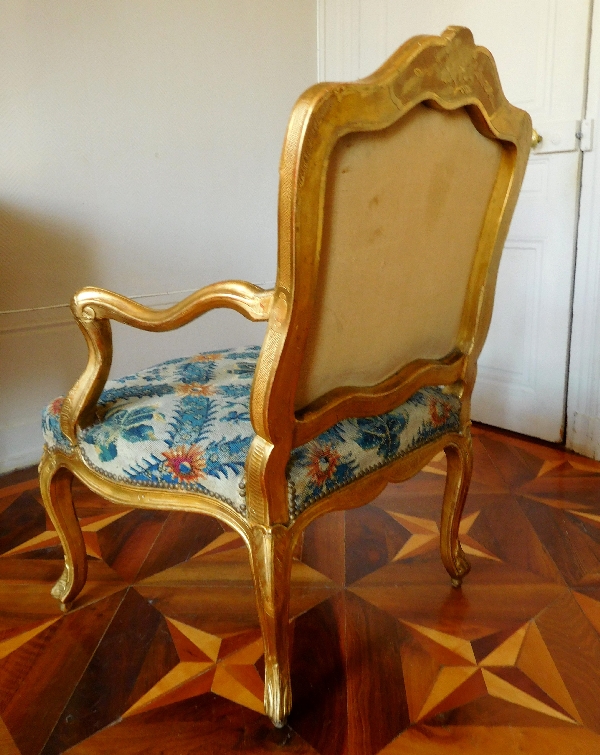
185 424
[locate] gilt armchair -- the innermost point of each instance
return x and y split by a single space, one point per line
396 193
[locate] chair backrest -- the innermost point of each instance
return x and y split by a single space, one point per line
403 213
396 193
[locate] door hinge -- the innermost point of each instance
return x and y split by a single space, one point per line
563 136
585 135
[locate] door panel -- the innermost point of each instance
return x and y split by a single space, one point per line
522 373
540 48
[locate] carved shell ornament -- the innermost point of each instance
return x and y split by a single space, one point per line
456 70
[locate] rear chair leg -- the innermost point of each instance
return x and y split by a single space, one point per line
271 559
459 456
55 486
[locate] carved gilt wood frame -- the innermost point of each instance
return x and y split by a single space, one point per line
445 72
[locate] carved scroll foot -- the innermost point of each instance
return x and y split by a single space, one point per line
271 558
63 587
63 584
278 695
459 456
55 486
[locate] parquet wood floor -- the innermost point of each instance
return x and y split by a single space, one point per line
162 653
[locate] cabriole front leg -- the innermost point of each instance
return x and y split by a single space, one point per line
271 559
459 457
55 486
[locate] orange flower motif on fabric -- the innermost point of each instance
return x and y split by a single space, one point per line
186 464
195 389
439 412
207 357
322 463
56 405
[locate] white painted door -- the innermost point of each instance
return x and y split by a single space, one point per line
540 48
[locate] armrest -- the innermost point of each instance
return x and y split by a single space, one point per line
93 309
97 304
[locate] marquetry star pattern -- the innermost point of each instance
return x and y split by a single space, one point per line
425 536
515 666
162 651
201 669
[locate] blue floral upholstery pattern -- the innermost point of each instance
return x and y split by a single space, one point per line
185 424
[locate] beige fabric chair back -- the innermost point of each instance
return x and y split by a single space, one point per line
404 209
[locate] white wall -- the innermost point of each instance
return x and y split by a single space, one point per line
139 152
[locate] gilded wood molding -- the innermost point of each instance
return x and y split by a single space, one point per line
370 401
249 300
136 496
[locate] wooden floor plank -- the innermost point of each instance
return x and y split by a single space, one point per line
162 652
